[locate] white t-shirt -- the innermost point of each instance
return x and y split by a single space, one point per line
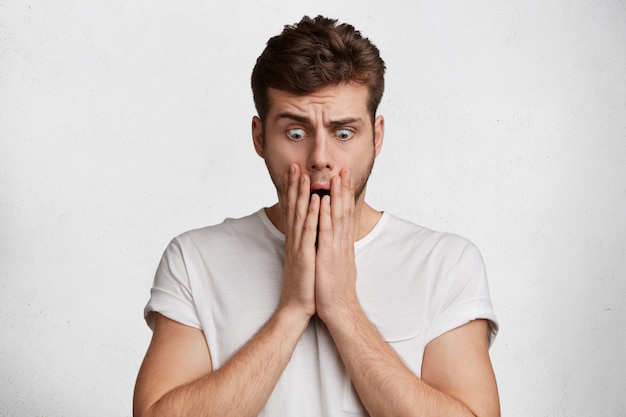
414 284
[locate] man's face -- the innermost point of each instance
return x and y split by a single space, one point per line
323 133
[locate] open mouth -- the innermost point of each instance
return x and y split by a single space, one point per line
321 193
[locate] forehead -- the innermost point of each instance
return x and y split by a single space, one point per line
339 100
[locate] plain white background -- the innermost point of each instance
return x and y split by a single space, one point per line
125 123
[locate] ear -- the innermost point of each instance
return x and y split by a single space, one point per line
257 135
379 133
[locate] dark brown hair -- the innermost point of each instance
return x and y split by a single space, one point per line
317 53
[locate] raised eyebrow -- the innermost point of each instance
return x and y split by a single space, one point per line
306 120
295 117
346 121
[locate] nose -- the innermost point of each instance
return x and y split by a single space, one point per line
320 155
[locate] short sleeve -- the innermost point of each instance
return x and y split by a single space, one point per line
171 293
464 296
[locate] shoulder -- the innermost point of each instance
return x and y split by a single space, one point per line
407 233
231 235
229 229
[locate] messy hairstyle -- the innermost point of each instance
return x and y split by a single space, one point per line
314 54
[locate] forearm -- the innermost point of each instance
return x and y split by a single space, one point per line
386 386
244 383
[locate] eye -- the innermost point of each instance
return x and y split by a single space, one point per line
296 134
344 134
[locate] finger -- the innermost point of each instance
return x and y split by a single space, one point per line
348 202
302 205
336 200
347 187
342 206
309 229
348 190
325 229
292 198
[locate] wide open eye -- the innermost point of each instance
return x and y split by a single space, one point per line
296 134
344 134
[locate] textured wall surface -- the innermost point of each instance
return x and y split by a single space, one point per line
124 123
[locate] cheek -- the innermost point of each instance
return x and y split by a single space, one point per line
277 168
360 159
278 165
279 159
363 167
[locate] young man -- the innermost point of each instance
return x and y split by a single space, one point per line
319 305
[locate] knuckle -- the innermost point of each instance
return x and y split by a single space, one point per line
299 215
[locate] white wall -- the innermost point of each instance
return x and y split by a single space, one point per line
124 123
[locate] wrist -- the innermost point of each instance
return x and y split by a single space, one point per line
293 315
340 313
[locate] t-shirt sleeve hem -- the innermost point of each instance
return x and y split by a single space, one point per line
171 306
474 310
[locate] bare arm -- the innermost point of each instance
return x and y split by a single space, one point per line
457 376
176 377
